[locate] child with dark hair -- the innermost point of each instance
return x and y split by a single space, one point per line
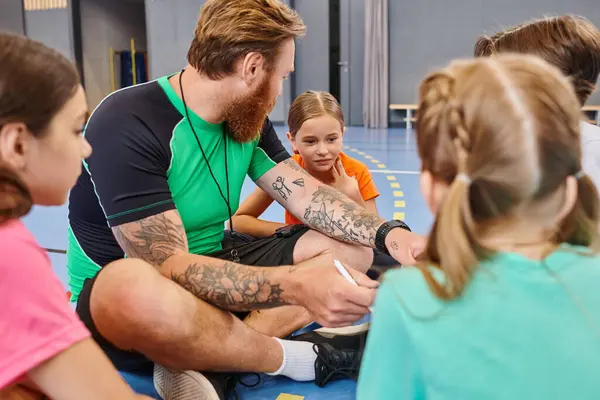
45 350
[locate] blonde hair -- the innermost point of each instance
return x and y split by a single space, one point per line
313 104
230 29
503 132
569 42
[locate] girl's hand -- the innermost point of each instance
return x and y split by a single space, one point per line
346 184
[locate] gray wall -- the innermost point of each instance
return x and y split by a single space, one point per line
105 24
169 29
312 52
54 28
11 16
427 34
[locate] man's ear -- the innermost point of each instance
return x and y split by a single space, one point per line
252 67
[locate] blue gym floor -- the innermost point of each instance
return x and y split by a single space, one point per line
392 157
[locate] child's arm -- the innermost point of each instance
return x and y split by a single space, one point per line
246 219
389 368
81 372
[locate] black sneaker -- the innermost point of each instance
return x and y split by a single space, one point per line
352 337
333 364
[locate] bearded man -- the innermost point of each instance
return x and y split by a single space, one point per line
168 164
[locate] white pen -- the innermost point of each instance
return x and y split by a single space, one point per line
344 272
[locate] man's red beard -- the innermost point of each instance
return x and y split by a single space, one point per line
245 115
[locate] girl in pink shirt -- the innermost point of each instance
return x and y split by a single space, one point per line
44 348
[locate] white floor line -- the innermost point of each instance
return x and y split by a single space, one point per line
394 171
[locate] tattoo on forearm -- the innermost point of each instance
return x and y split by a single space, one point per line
295 166
336 216
153 239
230 286
299 182
394 246
281 188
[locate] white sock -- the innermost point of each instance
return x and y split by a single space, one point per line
298 360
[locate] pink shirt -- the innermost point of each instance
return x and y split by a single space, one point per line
36 320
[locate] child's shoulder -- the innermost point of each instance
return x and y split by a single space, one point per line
16 240
408 286
14 231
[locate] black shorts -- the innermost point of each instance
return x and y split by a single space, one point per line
270 251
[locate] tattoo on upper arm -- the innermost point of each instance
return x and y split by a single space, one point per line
347 222
281 188
230 286
153 239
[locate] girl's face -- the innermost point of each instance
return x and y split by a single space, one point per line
319 142
49 165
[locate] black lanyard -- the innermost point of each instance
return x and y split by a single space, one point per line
234 254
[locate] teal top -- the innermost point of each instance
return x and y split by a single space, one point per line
523 329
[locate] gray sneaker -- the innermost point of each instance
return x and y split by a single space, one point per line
188 385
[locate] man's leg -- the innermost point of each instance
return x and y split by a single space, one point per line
133 311
283 321
135 308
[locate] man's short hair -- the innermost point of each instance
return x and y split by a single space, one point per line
230 29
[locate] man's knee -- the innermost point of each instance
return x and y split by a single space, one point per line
127 300
358 257
314 243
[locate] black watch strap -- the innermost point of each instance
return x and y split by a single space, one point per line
383 231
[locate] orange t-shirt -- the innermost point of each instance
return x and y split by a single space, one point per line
354 168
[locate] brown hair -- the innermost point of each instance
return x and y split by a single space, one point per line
569 42
313 104
503 132
230 29
35 83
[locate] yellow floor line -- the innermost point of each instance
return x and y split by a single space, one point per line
399 215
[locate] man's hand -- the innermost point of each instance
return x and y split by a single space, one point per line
328 296
405 246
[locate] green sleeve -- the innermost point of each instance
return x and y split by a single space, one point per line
260 164
268 152
389 369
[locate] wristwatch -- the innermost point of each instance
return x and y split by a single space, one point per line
383 231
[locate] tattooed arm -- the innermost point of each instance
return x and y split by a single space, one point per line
330 212
161 241
247 217
319 206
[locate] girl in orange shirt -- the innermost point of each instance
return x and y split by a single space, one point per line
316 128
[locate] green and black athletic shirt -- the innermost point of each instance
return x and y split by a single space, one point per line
145 161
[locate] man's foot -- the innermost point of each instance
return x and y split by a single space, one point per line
351 337
190 385
333 364
339 351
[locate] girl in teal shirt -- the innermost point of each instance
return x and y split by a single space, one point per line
506 302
